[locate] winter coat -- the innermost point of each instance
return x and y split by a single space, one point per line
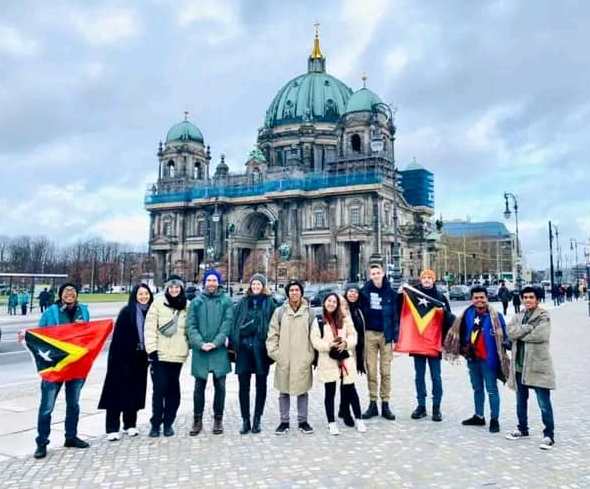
54 315
389 307
210 320
504 294
13 300
23 299
289 345
537 369
170 348
126 379
328 369
251 353
359 321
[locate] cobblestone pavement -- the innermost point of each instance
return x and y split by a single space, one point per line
403 453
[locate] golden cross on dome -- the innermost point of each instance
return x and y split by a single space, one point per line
316 53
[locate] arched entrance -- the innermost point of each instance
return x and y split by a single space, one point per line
253 245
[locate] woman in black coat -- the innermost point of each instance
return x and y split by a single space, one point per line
126 380
352 297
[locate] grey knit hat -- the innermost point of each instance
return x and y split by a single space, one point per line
261 278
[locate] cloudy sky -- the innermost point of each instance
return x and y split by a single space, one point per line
492 96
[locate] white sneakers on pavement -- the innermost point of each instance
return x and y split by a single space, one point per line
113 436
333 429
132 432
361 427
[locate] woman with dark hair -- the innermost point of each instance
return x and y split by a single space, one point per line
352 298
167 347
335 339
251 321
126 380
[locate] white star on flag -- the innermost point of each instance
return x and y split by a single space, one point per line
476 321
45 355
423 302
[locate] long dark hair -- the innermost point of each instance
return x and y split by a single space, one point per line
133 294
337 317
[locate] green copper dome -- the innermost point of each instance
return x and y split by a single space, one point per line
362 100
184 131
314 96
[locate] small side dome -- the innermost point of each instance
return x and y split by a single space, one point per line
362 100
184 131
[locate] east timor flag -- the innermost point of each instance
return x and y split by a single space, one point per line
421 320
67 351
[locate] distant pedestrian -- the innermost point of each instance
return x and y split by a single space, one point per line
12 302
125 384
250 330
334 338
43 300
209 325
23 301
167 348
504 295
289 345
531 366
516 301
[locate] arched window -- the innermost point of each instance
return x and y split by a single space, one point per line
197 172
171 169
355 143
355 216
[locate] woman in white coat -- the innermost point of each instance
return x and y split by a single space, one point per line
335 338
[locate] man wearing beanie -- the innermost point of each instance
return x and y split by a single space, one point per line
66 310
248 340
289 345
209 323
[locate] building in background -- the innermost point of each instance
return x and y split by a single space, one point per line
320 196
476 251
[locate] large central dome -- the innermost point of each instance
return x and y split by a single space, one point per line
312 97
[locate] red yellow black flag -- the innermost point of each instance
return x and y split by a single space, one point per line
67 351
421 320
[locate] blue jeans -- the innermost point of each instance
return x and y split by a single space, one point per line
480 375
49 392
437 389
544 401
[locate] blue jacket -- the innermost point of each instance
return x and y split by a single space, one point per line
489 340
389 305
54 316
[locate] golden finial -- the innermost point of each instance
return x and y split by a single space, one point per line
316 53
364 78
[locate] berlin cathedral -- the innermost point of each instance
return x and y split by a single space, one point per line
319 198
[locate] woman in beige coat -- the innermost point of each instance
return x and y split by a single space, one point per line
335 339
167 349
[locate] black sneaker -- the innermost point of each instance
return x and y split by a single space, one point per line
419 412
494 425
475 420
168 431
154 432
305 428
371 411
41 451
436 414
75 443
386 412
282 429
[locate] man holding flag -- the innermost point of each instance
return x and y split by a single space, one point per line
424 321
64 348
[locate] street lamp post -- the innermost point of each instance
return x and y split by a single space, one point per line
507 214
574 247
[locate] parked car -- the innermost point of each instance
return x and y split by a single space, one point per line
459 293
317 299
493 293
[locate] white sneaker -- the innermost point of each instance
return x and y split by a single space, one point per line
516 435
361 427
113 436
546 444
333 429
132 432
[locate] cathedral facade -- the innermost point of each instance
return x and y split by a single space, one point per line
319 199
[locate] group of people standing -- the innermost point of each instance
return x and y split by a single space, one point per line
355 334
21 298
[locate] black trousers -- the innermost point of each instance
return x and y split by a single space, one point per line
244 394
348 398
113 420
166 395
505 307
218 396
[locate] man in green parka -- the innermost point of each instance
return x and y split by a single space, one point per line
209 324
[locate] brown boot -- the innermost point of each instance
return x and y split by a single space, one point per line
217 424
197 426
